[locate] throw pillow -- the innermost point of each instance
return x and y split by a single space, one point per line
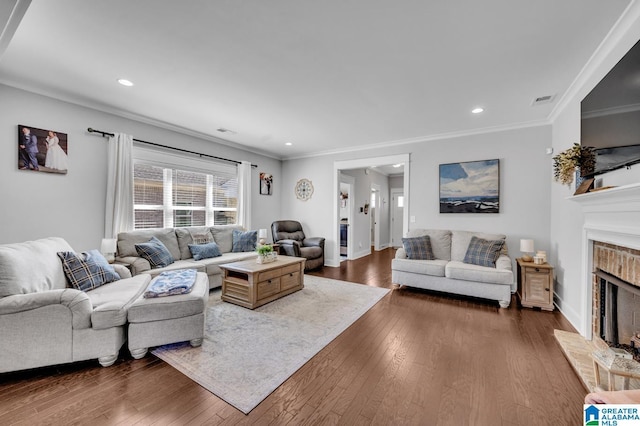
418 248
483 252
204 251
203 238
155 252
87 270
244 240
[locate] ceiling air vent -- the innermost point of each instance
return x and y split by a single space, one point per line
543 100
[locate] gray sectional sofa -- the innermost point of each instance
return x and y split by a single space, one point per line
448 273
177 241
44 321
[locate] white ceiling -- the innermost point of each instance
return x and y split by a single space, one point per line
327 76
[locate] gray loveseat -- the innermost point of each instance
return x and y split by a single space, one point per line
448 273
43 321
177 241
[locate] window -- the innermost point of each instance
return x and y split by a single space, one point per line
165 196
400 200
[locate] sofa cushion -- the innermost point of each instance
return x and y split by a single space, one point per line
483 252
111 301
127 241
223 236
244 240
483 274
178 264
192 235
440 241
171 307
88 270
460 242
155 252
32 266
418 248
204 251
425 267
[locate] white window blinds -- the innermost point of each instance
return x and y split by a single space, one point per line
173 195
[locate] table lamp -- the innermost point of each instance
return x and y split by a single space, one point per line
108 248
262 235
526 247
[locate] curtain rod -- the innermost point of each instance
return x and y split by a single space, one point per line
104 134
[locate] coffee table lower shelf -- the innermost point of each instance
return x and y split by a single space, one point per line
251 284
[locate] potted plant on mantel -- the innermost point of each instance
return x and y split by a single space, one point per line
266 254
578 161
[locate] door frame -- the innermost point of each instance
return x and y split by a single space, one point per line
334 258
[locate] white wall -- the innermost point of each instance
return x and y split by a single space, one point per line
37 205
525 180
566 216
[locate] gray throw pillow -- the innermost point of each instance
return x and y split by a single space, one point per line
155 252
88 270
244 241
483 252
418 248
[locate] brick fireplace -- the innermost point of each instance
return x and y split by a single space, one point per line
611 244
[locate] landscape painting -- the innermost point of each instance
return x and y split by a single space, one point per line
470 187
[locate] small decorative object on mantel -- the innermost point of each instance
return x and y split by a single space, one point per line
266 254
585 186
577 161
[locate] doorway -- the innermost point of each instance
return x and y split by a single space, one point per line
397 212
402 162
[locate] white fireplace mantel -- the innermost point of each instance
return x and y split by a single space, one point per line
610 216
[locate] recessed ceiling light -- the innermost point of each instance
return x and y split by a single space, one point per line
125 82
288 143
398 165
477 110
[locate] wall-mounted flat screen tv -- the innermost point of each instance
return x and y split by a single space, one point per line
611 115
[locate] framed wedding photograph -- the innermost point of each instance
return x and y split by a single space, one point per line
470 187
266 183
42 150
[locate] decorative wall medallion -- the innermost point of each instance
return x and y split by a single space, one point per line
304 189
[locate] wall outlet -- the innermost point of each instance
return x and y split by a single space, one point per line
413 219
360 244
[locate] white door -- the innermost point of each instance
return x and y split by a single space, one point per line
397 208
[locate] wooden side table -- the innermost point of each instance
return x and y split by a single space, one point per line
535 285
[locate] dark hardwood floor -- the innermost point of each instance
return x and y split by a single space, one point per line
417 358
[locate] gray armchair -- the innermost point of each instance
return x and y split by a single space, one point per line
288 234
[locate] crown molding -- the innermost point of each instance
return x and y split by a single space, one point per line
86 103
626 23
421 139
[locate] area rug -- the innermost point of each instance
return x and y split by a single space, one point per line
246 354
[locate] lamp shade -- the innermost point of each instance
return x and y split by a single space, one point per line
262 233
526 246
108 245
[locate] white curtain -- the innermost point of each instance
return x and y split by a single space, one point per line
244 194
119 211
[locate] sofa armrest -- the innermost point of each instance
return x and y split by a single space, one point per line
136 265
122 270
77 301
313 242
290 247
504 262
401 254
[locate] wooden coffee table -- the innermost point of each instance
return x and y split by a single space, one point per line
251 284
